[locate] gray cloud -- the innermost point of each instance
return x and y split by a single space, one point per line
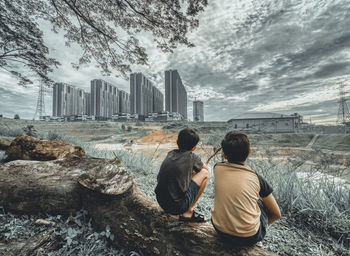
250 55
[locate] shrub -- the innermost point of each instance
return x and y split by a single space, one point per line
16 116
30 131
314 199
54 135
10 132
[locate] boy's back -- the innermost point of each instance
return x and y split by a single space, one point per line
175 176
243 203
237 190
182 179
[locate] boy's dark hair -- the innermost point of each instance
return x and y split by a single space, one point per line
236 146
187 139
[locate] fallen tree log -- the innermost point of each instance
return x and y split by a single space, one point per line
109 194
25 147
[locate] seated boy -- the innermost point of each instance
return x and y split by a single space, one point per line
182 179
243 203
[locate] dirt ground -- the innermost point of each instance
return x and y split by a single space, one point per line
158 137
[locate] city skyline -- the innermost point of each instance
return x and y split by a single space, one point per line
105 100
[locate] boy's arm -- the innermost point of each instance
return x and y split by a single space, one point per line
272 207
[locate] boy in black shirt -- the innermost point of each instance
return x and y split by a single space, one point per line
182 179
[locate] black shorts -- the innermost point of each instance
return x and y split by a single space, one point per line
190 195
247 241
177 208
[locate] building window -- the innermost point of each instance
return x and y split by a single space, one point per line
247 125
235 126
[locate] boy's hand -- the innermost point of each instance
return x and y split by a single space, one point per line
272 207
205 169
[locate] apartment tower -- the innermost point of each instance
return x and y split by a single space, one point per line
198 112
144 97
67 100
104 99
175 93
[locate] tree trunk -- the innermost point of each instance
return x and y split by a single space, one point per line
108 192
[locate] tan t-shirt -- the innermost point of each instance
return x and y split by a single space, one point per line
237 190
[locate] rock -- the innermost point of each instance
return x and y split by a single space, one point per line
29 148
4 144
109 194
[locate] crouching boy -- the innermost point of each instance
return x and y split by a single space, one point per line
182 179
243 203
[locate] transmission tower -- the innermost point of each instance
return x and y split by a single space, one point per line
343 111
40 105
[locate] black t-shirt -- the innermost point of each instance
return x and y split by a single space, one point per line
175 175
265 188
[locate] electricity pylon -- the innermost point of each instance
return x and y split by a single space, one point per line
40 105
343 110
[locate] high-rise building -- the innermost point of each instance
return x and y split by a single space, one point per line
175 93
87 104
141 94
198 112
124 102
67 100
78 101
104 99
158 101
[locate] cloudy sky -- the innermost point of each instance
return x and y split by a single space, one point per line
268 56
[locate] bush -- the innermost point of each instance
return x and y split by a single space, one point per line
311 197
54 135
30 131
16 116
10 132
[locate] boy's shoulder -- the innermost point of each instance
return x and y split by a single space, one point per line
234 166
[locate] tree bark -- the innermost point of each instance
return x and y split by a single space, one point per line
108 192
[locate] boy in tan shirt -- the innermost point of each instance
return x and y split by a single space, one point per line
243 203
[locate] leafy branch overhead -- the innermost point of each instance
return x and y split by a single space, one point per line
107 31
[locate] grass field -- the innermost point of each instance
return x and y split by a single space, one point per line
315 207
